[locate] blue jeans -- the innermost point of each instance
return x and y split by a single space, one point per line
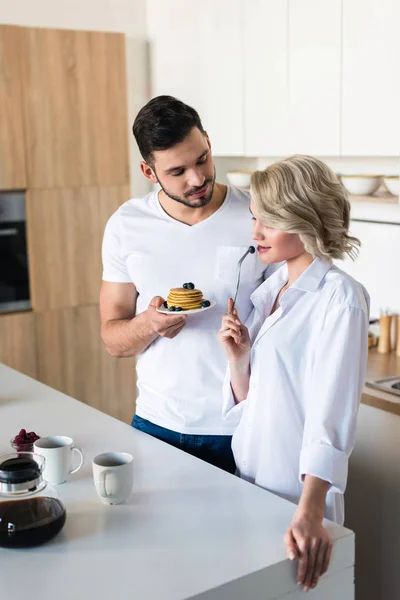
214 449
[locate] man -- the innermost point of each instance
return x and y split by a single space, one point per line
192 230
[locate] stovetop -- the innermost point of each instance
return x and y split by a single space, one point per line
389 384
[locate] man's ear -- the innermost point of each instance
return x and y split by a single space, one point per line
148 172
208 140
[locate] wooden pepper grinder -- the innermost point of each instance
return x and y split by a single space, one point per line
385 326
398 336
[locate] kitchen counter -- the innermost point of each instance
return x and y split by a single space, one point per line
379 367
189 530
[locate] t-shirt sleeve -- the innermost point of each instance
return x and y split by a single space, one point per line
114 265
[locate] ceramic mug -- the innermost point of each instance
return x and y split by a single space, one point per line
113 476
58 452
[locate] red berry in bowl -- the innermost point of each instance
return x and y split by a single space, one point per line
23 441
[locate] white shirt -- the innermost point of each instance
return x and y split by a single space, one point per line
180 380
308 363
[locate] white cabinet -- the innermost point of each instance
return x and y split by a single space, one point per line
266 100
377 263
275 77
314 76
371 78
197 55
292 73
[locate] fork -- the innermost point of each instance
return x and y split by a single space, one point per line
250 250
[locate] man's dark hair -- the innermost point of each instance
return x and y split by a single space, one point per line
162 123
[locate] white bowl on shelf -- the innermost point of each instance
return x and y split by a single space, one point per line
393 184
361 185
240 179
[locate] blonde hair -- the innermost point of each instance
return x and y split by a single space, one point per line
302 195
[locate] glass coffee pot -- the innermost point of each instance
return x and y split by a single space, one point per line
31 511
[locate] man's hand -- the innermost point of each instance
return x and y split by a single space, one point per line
167 326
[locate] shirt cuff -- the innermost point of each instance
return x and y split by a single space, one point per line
116 278
231 412
326 462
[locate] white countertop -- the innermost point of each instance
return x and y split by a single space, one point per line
189 530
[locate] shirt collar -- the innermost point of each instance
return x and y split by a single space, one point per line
309 280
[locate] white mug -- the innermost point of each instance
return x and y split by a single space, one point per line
113 476
58 451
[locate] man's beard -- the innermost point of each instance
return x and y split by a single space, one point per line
195 202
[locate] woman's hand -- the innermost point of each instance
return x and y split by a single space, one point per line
234 336
308 540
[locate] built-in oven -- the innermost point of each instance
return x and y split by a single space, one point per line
14 274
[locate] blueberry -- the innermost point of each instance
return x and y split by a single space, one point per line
178 308
185 286
165 305
205 303
172 308
190 286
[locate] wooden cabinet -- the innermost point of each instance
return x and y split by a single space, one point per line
315 76
72 359
12 134
65 232
266 92
371 78
196 54
75 102
18 342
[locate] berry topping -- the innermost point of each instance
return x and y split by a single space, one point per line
165 304
178 308
185 286
190 286
205 303
172 308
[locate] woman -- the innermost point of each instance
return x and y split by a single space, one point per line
296 371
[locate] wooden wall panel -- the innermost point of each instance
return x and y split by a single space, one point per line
12 134
18 342
75 108
65 231
72 359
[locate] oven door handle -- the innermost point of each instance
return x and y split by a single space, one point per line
10 231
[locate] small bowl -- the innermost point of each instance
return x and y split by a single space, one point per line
361 185
393 184
21 447
240 179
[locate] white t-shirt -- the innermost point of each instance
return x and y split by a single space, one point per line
180 381
308 364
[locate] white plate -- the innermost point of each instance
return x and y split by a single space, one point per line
165 311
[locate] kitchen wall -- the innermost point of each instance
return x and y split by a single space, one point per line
126 16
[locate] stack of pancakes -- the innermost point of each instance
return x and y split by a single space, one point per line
185 299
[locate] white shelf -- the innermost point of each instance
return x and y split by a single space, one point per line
379 209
